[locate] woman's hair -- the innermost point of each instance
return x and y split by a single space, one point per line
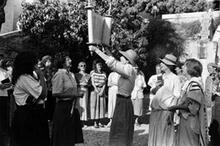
194 67
94 64
24 64
60 59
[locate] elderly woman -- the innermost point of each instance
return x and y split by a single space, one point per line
67 130
167 93
192 129
122 127
83 82
30 125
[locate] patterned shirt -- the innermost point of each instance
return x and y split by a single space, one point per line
99 79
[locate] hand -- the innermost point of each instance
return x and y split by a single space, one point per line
154 90
170 119
172 108
92 48
4 86
159 83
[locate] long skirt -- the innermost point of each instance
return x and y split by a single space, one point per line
138 106
160 132
112 93
30 126
97 106
214 129
50 105
122 127
67 127
4 119
83 106
188 132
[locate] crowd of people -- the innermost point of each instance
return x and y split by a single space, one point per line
50 105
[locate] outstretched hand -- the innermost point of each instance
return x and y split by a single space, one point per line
92 48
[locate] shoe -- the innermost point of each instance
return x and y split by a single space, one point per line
136 123
100 125
96 125
84 127
109 124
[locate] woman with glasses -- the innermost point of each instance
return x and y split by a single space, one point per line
82 79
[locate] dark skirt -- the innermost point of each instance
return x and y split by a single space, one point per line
122 127
50 105
67 128
30 126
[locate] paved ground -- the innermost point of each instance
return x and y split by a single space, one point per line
99 136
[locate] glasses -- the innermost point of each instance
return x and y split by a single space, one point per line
82 66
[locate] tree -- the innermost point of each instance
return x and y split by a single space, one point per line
56 26
175 6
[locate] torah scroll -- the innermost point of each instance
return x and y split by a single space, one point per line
99 28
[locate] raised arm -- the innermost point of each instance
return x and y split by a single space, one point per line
124 70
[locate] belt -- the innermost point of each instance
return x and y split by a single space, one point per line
123 96
34 106
64 99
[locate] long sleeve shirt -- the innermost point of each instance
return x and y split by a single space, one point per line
128 75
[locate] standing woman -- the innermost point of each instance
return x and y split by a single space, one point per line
192 130
30 125
97 96
122 127
112 94
162 132
46 62
82 79
67 130
137 95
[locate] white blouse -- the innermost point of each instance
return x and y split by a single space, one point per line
127 78
139 86
25 86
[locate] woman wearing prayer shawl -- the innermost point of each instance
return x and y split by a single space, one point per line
192 129
161 133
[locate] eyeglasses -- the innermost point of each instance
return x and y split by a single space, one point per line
82 66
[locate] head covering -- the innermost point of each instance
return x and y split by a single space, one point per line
169 59
131 55
212 65
45 58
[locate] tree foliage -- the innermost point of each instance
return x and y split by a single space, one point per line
56 26
175 6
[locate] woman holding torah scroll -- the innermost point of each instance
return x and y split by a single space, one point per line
122 127
192 129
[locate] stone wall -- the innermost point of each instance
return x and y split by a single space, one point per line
12 11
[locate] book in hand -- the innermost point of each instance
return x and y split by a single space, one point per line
99 29
7 80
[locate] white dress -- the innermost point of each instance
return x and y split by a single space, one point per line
137 94
112 92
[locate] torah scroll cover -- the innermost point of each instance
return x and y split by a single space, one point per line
99 28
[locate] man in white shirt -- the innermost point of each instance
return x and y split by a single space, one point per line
4 103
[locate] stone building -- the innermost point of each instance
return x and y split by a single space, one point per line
199 45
